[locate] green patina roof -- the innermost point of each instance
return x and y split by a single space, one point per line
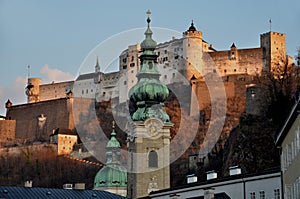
113 142
113 173
149 93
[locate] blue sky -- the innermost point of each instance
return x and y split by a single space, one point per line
54 37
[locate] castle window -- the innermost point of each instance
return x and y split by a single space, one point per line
153 159
124 60
132 64
132 58
87 91
165 76
234 70
82 92
166 51
125 82
124 66
158 53
173 75
225 71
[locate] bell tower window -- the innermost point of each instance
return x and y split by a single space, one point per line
153 159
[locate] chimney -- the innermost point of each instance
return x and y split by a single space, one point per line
191 178
79 186
67 186
234 170
211 175
28 183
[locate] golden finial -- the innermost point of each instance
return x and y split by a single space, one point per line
148 13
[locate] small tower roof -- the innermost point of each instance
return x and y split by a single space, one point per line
148 42
192 27
97 67
113 142
233 45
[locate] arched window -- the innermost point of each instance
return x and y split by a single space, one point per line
153 159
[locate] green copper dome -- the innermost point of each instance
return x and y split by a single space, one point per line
149 93
109 176
113 173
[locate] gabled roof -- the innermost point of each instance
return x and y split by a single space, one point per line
289 122
12 192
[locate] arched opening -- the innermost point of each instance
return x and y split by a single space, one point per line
153 159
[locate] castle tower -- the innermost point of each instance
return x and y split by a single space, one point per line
274 50
192 52
33 90
113 176
149 138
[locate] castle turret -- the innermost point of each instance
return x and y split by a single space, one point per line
233 52
192 51
33 90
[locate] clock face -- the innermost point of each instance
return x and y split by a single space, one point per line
153 126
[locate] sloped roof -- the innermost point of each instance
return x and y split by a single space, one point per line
289 122
86 76
12 192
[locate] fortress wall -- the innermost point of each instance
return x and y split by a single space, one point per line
55 90
248 61
7 130
30 124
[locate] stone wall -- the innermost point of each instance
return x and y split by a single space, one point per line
54 90
37 120
7 131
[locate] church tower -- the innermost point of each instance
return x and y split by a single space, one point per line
149 136
113 176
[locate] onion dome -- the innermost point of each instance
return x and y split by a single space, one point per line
149 93
113 173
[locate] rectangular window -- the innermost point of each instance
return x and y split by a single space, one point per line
276 194
262 195
252 195
288 191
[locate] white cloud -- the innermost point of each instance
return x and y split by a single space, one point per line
15 93
55 75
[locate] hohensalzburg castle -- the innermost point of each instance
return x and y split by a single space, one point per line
179 60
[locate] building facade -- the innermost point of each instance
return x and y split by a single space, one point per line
267 185
289 142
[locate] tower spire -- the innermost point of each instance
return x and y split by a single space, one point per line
97 67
